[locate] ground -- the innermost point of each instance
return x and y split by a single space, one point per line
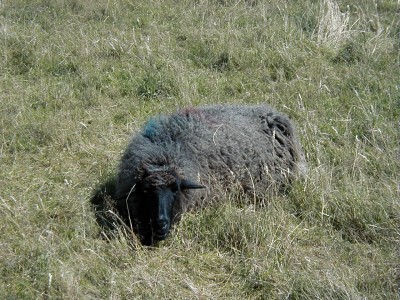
79 77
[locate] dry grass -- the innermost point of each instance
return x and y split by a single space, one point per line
333 27
78 77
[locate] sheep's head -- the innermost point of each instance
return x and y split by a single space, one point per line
160 189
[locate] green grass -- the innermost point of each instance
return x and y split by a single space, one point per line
78 77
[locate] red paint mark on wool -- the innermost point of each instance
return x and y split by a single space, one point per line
190 112
197 114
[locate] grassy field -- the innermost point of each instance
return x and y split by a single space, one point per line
78 77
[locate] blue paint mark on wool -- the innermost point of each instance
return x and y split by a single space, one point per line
150 128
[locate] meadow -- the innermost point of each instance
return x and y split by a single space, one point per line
77 78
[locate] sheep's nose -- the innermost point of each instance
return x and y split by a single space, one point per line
162 226
161 229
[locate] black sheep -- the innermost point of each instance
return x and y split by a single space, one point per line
174 162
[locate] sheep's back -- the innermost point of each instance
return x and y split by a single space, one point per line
254 146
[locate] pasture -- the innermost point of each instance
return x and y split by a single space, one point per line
77 78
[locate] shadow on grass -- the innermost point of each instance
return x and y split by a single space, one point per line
104 207
110 220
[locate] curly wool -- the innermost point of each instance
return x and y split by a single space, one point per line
252 146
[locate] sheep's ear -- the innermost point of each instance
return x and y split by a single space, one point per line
187 184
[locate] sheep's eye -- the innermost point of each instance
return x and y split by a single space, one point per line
174 188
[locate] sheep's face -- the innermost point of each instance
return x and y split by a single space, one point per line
161 190
161 200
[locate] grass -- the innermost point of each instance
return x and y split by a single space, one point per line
78 77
